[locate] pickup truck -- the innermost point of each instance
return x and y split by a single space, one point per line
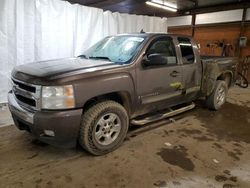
121 80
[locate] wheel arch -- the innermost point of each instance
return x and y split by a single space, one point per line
211 75
226 76
121 97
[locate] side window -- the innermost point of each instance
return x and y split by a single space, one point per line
186 50
163 46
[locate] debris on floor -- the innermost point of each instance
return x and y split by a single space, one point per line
168 144
216 161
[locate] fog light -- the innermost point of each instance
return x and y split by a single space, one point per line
49 133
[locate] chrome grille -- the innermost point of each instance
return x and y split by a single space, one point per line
27 95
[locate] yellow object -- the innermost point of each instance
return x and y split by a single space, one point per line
176 85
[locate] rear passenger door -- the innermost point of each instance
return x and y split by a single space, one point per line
159 84
191 67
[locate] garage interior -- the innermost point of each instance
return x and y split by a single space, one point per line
198 148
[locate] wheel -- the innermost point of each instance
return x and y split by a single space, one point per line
104 127
218 97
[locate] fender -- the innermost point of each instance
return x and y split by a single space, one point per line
117 82
210 76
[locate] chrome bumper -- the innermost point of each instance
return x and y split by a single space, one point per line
16 109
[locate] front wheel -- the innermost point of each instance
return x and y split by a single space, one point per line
218 97
104 127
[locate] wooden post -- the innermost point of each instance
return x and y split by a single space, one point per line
193 24
242 29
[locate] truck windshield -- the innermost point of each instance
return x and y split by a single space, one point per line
118 49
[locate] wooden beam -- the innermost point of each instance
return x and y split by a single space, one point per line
216 8
193 1
194 19
193 24
94 3
242 28
104 3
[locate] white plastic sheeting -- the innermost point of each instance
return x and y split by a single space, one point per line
219 17
35 30
179 21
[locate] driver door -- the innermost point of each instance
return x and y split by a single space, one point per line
159 85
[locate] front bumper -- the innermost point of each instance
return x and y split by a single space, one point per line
64 125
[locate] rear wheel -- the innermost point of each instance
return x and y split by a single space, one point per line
104 127
218 97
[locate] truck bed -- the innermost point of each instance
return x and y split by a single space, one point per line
225 63
219 59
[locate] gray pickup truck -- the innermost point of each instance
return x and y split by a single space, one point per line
121 80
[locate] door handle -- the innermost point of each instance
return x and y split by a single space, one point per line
174 73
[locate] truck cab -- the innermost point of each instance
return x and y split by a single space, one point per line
169 70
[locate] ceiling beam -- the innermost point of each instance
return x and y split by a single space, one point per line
105 3
193 1
100 2
215 8
189 7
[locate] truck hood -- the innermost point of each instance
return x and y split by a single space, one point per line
46 69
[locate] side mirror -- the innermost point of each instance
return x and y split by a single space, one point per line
155 59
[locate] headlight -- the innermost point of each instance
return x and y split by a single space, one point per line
58 97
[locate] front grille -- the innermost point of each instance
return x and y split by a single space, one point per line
26 100
27 95
25 87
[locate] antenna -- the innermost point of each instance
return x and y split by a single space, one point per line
142 31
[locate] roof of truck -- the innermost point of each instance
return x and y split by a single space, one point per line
153 34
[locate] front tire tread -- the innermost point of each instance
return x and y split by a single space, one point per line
88 122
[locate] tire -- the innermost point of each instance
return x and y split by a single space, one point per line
218 97
104 127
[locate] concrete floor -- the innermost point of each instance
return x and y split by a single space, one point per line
201 149
5 117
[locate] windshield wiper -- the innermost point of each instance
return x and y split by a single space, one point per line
99 57
83 56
